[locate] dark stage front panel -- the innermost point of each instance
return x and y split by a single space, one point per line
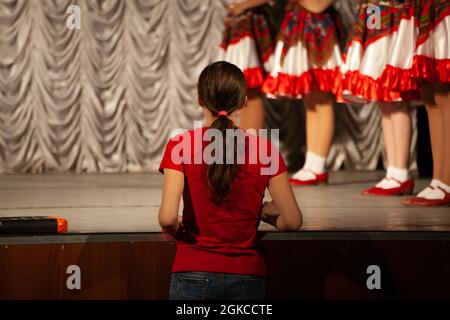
298 269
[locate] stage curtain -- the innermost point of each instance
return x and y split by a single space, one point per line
104 98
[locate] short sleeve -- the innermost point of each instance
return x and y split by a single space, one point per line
277 161
172 158
271 160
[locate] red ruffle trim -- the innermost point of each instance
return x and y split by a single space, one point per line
431 70
367 88
254 77
398 79
290 86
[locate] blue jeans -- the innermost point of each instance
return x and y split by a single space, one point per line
216 286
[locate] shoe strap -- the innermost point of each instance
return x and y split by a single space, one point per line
445 192
308 170
428 187
390 178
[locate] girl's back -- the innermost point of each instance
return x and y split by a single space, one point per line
224 235
221 173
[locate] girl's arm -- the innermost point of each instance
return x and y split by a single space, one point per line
315 6
239 8
170 202
283 213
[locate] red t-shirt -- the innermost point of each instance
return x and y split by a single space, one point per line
225 235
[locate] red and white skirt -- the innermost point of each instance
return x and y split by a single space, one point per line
379 58
247 43
307 56
432 57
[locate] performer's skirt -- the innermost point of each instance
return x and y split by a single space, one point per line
380 53
307 56
432 57
247 43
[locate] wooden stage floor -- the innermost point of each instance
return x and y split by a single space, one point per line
128 203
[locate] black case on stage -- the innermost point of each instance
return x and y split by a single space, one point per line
28 225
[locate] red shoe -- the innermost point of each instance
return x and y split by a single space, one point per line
321 178
409 201
423 202
405 188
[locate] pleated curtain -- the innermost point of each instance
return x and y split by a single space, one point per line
105 97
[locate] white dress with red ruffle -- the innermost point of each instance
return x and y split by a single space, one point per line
247 43
307 56
379 58
432 56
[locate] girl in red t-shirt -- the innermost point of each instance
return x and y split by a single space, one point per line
218 254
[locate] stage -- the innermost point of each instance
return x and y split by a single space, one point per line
115 239
128 203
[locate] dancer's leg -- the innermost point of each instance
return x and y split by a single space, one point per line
435 103
323 104
312 124
319 136
396 134
320 129
435 123
442 97
439 195
402 128
388 132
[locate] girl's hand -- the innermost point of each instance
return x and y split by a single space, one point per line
269 213
270 209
